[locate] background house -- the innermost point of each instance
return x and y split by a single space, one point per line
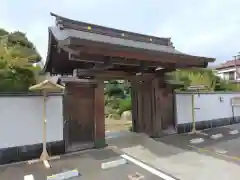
229 70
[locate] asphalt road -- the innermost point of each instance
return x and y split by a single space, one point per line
88 164
226 146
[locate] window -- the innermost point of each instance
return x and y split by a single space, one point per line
231 75
225 76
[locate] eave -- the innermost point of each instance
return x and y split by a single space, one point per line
71 47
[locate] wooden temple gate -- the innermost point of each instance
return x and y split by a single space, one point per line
152 107
85 55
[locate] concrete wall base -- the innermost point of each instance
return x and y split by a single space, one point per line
187 127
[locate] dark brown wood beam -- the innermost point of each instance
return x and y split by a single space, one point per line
98 58
160 58
108 75
83 57
163 71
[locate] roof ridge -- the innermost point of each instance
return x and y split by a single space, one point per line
100 29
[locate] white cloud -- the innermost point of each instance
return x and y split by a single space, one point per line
210 28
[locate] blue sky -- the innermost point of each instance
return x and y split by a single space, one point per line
199 27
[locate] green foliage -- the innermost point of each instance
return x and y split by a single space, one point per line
114 102
195 76
16 80
203 76
16 46
228 86
17 56
114 89
3 32
117 98
126 87
125 105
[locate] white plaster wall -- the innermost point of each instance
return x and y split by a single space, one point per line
210 107
226 70
221 72
21 120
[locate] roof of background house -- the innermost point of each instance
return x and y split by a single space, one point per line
228 64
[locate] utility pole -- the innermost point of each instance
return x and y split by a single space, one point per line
237 58
235 66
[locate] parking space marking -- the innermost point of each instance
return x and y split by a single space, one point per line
29 177
216 136
215 152
64 175
148 168
203 133
111 164
233 132
196 140
220 151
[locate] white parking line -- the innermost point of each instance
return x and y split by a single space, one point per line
29 177
233 132
64 175
148 168
220 151
196 140
111 164
216 136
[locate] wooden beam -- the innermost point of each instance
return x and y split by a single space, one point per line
75 79
134 53
84 57
100 59
113 75
163 71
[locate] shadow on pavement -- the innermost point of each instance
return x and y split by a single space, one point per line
179 143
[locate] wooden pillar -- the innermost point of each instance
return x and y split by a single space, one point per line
99 115
164 107
142 105
134 106
152 109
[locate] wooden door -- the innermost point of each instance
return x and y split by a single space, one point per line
79 117
167 105
142 106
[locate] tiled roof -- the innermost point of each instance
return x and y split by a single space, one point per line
230 63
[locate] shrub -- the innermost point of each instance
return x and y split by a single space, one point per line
130 129
125 105
114 89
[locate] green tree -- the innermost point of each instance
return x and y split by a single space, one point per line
114 89
203 76
17 56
